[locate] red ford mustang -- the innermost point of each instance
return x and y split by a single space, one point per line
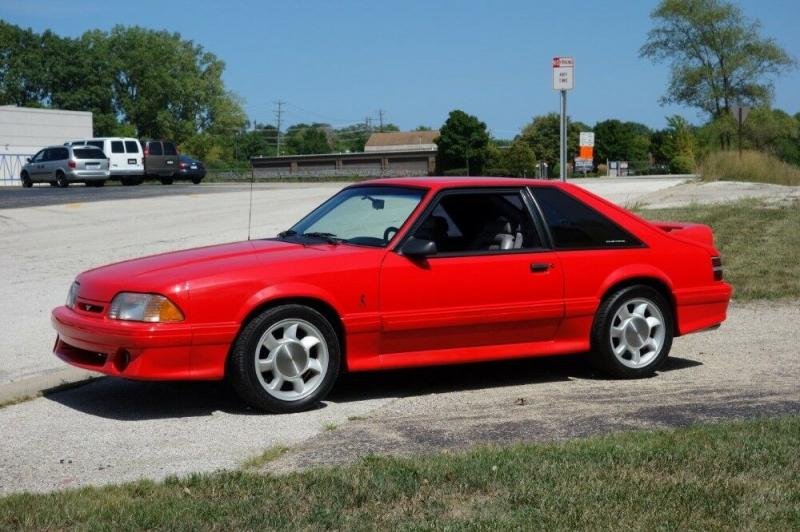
398 273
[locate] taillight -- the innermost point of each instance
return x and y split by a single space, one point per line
146 151
184 166
71 164
716 267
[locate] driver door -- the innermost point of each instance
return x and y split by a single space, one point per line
492 282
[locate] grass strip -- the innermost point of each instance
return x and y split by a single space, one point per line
742 475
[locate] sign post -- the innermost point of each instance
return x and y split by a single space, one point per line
563 81
739 114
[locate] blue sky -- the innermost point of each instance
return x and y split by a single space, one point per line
339 61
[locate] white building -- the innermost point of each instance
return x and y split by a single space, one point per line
26 130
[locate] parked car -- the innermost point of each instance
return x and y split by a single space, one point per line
160 160
125 156
192 169
63 165
403 272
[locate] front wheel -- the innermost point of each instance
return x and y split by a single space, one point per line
632 332
26 180
166 180
196 180
285 360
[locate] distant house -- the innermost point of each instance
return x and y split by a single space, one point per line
402 141
411 153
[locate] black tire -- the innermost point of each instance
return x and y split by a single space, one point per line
100 183
26 180
166 180
61 180
125 181
196 180
53 183
242 372
602 354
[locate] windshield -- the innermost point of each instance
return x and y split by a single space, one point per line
369 216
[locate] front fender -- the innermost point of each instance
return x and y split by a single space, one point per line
292 290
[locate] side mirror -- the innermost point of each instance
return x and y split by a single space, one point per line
28 159
417 248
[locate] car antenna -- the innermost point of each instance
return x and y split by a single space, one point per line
250 211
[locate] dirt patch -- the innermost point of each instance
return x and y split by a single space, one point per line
716 192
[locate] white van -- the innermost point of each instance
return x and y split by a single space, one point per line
125 156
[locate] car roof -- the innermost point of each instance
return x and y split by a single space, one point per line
437 183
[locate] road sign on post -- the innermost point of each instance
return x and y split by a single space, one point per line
739 114
563 81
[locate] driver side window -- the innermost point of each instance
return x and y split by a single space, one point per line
476 222
39 157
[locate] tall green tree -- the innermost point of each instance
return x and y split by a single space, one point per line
462 143
543 136
520 160
616 140
717 56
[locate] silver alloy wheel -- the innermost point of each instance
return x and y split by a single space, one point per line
637 333
291 359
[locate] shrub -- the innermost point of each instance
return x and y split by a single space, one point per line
681 164
497 172
455 172
751 166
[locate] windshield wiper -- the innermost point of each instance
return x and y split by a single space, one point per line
330 238
289 232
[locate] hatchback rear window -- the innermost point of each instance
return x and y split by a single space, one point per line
117 147
169 149
155 148
86 153
131 146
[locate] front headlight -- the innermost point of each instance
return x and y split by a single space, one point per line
72 294
155 308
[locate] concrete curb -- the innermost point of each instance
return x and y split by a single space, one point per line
42 384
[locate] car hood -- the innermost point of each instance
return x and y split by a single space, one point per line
174 272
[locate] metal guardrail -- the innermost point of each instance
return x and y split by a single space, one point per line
10 166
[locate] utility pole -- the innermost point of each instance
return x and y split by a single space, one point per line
278 113
368 123
380 119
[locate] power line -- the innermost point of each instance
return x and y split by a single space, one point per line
380 119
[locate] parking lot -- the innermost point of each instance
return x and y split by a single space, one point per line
110 430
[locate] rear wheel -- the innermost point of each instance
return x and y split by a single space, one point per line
285 360
632 332
26 180
196 180
166 180
61 180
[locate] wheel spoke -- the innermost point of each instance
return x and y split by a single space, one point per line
275 384
291 331
624 313
640 309
314 365
616 332
635 355
309 342
620 349
266 363
270 341
652 344
653 322
298 384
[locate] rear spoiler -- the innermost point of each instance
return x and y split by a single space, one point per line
690 231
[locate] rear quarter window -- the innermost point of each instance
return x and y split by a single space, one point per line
86 153
575 225
169 149
155 148
131 146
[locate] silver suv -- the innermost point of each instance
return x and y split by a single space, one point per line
62 165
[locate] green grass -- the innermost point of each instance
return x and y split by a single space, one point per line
759 242
271 454
754 166
714 477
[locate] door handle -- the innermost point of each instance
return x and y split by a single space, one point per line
540 267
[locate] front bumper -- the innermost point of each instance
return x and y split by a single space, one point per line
145 351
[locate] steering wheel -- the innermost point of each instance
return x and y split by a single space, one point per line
388 233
